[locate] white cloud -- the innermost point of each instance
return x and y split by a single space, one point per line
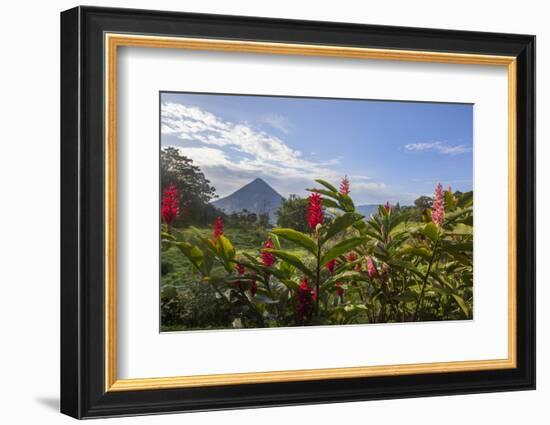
261 150
278 122
440 147
207 157
232 154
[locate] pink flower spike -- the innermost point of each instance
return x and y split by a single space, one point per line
438 206
371 268
344 186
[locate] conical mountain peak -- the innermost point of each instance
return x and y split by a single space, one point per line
257 197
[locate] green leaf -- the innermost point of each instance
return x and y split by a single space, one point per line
262 299
424 253
442 290
340 249
398 230
208 243
298 238
327 185
382 211
341 223
347 203
427 215
354 308
341 277
274 271
406 296
291 259
466 200
286 268
462 229
431 231
227 248
462 304
329 203
442 281
166 235
290 284
326 193
169 292
450 202
458 247
393 262
193 254
275 240
458 213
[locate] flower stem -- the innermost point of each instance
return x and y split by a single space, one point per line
425 280
318 271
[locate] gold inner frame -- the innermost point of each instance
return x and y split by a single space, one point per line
113 41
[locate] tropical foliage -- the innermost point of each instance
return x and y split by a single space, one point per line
335 266
178 172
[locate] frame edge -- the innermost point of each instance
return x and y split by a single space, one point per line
80 393
70 349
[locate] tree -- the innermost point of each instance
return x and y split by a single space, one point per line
292 213
195 189
263 220
423 202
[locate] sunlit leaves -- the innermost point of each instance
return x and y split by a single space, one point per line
299 238
424 271
341 223
292 260
340 249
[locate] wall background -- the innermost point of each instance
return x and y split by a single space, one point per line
29 211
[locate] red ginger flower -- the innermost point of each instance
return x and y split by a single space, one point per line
351 257
253 287
371 268
315 213
387 207
438 205
240 270
218 228
304 300
330 266
344 186
339 289
170 208
268 259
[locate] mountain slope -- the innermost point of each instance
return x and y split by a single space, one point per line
367 210
257 197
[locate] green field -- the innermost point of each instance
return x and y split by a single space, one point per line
188 303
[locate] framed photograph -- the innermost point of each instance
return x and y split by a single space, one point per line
261 212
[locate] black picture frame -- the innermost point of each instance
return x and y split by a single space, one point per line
83 392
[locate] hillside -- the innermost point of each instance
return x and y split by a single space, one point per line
257 197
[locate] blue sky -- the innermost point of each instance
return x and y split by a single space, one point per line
391 151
